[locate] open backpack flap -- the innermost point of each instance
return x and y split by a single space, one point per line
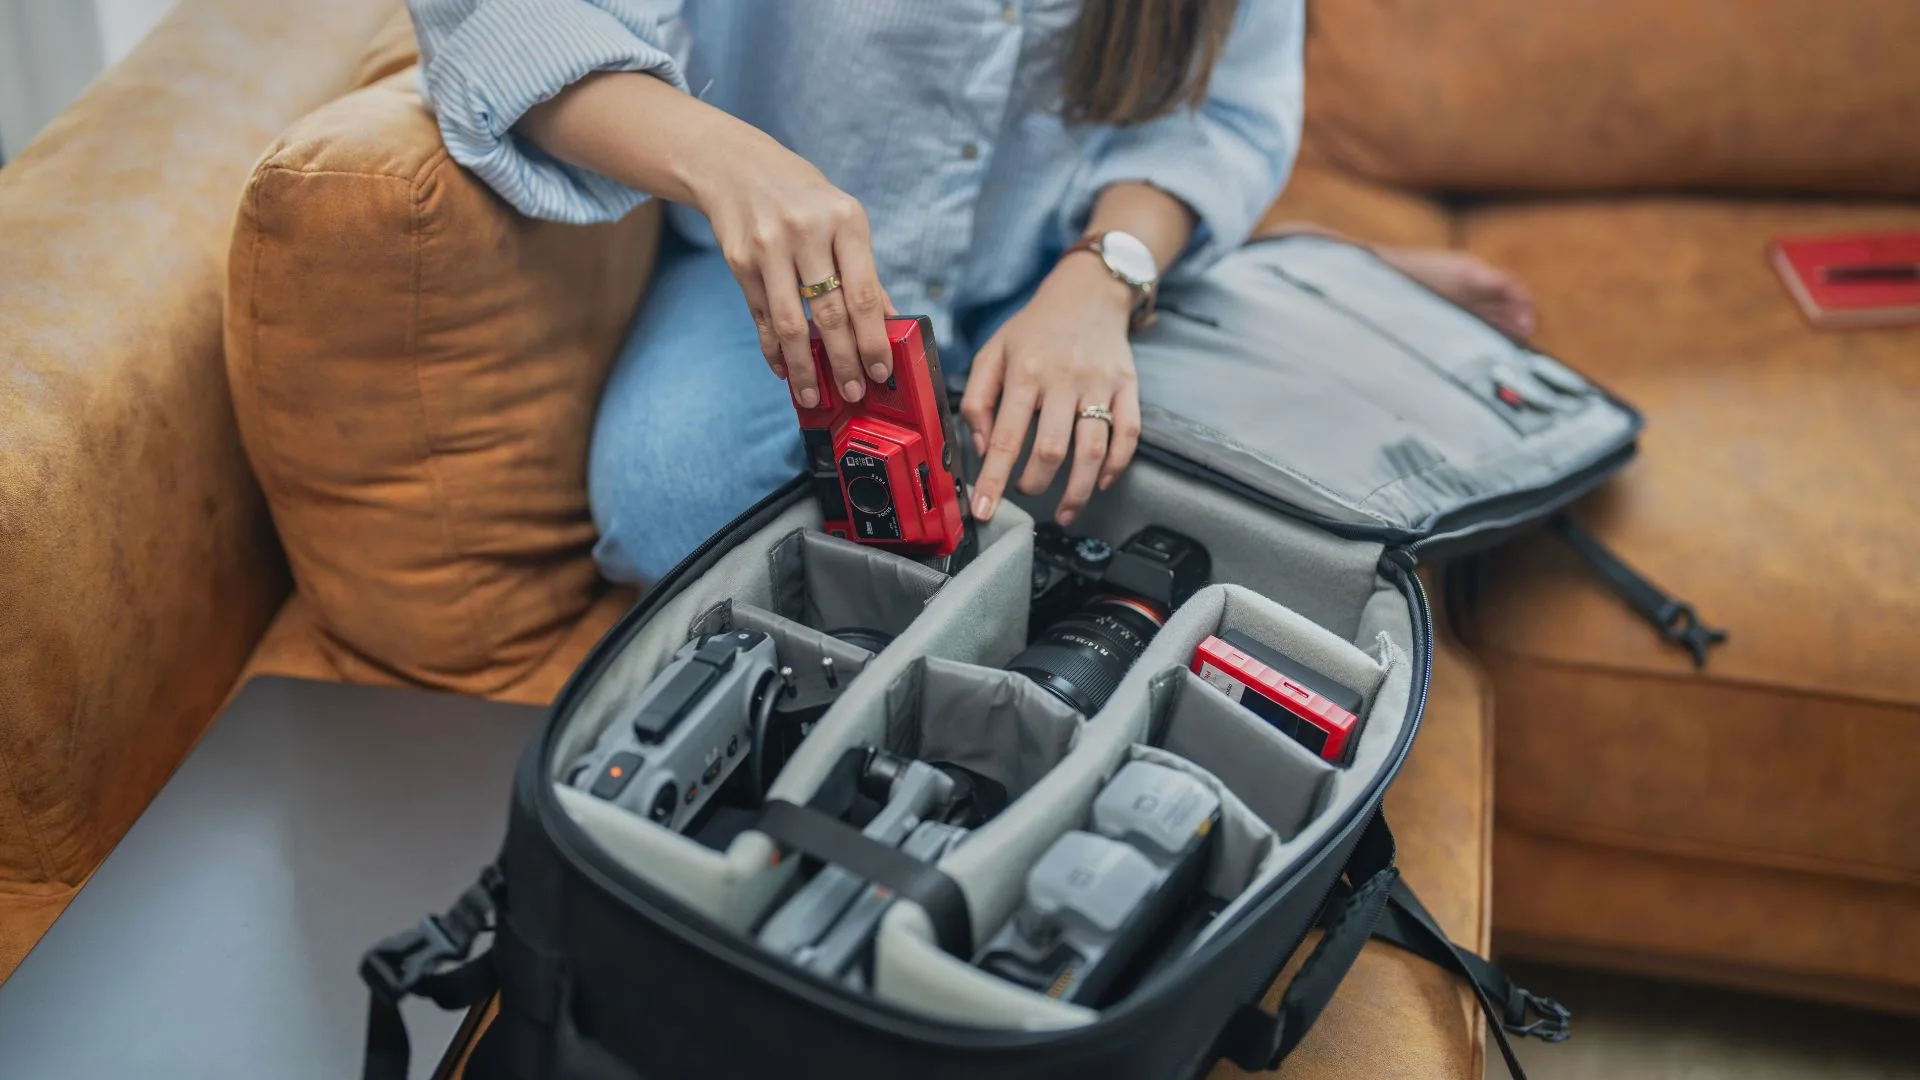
1354 424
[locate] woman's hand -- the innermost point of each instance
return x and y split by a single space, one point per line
1066 350
779 222
782 225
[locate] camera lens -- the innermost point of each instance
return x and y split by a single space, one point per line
663 804
1082 658
869 495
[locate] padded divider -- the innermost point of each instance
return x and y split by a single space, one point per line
832 584
799 646
979 617
999 724
1280 781
733 887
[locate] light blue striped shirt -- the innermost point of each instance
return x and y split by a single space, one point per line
940 116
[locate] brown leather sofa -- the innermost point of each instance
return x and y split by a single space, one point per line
143 571
183 292
1756 822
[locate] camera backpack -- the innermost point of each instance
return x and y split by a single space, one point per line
1323 426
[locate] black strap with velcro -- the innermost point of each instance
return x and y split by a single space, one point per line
831 840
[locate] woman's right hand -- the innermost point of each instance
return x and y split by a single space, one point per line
782 225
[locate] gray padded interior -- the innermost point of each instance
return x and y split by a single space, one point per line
738 885
799 646
832 584
1316 597
1406 426
1000 725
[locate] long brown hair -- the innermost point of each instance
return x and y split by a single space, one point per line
1131 61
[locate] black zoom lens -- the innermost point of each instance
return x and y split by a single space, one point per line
1082 658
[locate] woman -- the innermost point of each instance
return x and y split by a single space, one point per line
847 158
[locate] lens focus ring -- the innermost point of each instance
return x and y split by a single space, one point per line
1082 658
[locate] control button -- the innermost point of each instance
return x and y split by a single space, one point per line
970 152
713 770
1009 14
936 289
1092 552
733 746
693 792
616 774
926 486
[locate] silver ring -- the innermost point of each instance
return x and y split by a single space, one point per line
1097 412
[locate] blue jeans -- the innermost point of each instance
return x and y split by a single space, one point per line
693 428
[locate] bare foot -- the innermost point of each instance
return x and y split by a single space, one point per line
1487 291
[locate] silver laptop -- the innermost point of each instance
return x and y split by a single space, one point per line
222 938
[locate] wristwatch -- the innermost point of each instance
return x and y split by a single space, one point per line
1128 259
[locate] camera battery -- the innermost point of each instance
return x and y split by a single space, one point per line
1307 706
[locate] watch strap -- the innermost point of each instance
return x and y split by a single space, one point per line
1142 314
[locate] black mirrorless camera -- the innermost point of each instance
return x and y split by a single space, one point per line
1095 607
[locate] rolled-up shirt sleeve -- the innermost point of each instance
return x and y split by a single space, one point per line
484 63
1228 158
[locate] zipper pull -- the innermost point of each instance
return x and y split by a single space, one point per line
1676 619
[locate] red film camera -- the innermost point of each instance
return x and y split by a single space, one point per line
884 468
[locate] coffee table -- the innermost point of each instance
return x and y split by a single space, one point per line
222 937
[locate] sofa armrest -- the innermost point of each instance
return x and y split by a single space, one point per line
137 562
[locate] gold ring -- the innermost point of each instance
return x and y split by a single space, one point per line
1097 412
820 288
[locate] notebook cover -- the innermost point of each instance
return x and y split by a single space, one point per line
1800 262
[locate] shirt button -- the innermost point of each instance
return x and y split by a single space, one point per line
936 289
970 151
1009 14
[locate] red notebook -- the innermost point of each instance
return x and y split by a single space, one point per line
1869 279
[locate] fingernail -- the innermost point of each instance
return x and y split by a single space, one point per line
851 388
780 370
1064 517
1106 482
983 509
980 444
810 397
879 372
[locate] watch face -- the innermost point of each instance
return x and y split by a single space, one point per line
1128 256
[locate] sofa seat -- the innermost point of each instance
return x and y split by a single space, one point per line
1757 815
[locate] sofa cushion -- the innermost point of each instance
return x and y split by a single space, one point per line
1361 210
297 646
414 369
392 50
1777 492
1592 95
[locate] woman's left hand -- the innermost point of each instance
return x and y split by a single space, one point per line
1066 350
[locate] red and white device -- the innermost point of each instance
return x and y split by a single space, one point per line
884 467
1304 704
